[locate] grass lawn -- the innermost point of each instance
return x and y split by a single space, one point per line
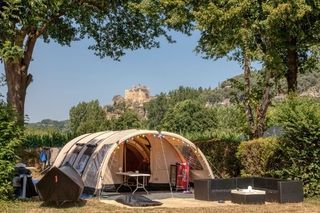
94 205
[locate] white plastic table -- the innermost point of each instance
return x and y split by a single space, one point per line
139 185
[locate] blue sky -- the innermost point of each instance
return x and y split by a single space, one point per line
65 76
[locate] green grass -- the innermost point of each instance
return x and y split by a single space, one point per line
93 205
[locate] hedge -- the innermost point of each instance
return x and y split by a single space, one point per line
221 155
255 156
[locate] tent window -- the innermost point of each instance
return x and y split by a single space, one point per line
101 154
94 165
190 157
75 154
84 159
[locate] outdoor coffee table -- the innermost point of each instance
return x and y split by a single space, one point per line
139 185
244 196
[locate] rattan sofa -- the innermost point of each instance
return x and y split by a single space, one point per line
276 190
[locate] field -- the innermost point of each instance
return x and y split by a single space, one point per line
94 205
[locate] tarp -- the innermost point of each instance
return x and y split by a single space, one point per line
60 185
137 200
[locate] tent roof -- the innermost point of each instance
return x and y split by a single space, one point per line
111 137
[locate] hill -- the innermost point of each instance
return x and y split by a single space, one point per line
49 124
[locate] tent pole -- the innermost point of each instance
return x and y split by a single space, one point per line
125 156
165 161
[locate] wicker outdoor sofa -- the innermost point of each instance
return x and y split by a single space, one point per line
277 190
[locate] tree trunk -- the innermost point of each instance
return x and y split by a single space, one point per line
18 79
263 107
292 65
247 94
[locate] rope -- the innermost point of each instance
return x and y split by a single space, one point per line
221 176
165 161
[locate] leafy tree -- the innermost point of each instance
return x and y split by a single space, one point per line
272 32
298 156
237 40
231 119
184 93
286 33
114 26
10 138
294 28
87 117
189 116
156 110
127 120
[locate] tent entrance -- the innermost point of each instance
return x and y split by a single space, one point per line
136 157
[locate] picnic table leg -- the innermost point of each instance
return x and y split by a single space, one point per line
140 185
124 183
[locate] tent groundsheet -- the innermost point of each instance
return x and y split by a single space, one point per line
137 200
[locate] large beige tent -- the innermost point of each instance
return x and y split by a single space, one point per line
99 156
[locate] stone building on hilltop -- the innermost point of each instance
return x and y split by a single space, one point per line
137 95
134 99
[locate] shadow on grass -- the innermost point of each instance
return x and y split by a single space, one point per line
67 204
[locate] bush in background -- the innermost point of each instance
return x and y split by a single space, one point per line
255 155
298 156
10 138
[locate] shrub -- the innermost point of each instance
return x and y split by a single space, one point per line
298 156
10 139
255 155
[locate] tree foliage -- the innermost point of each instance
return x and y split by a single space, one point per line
10 139
113 26
280 34
91 117
189 116
185 93
298 156
156 109
231 119
87 117
128 120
